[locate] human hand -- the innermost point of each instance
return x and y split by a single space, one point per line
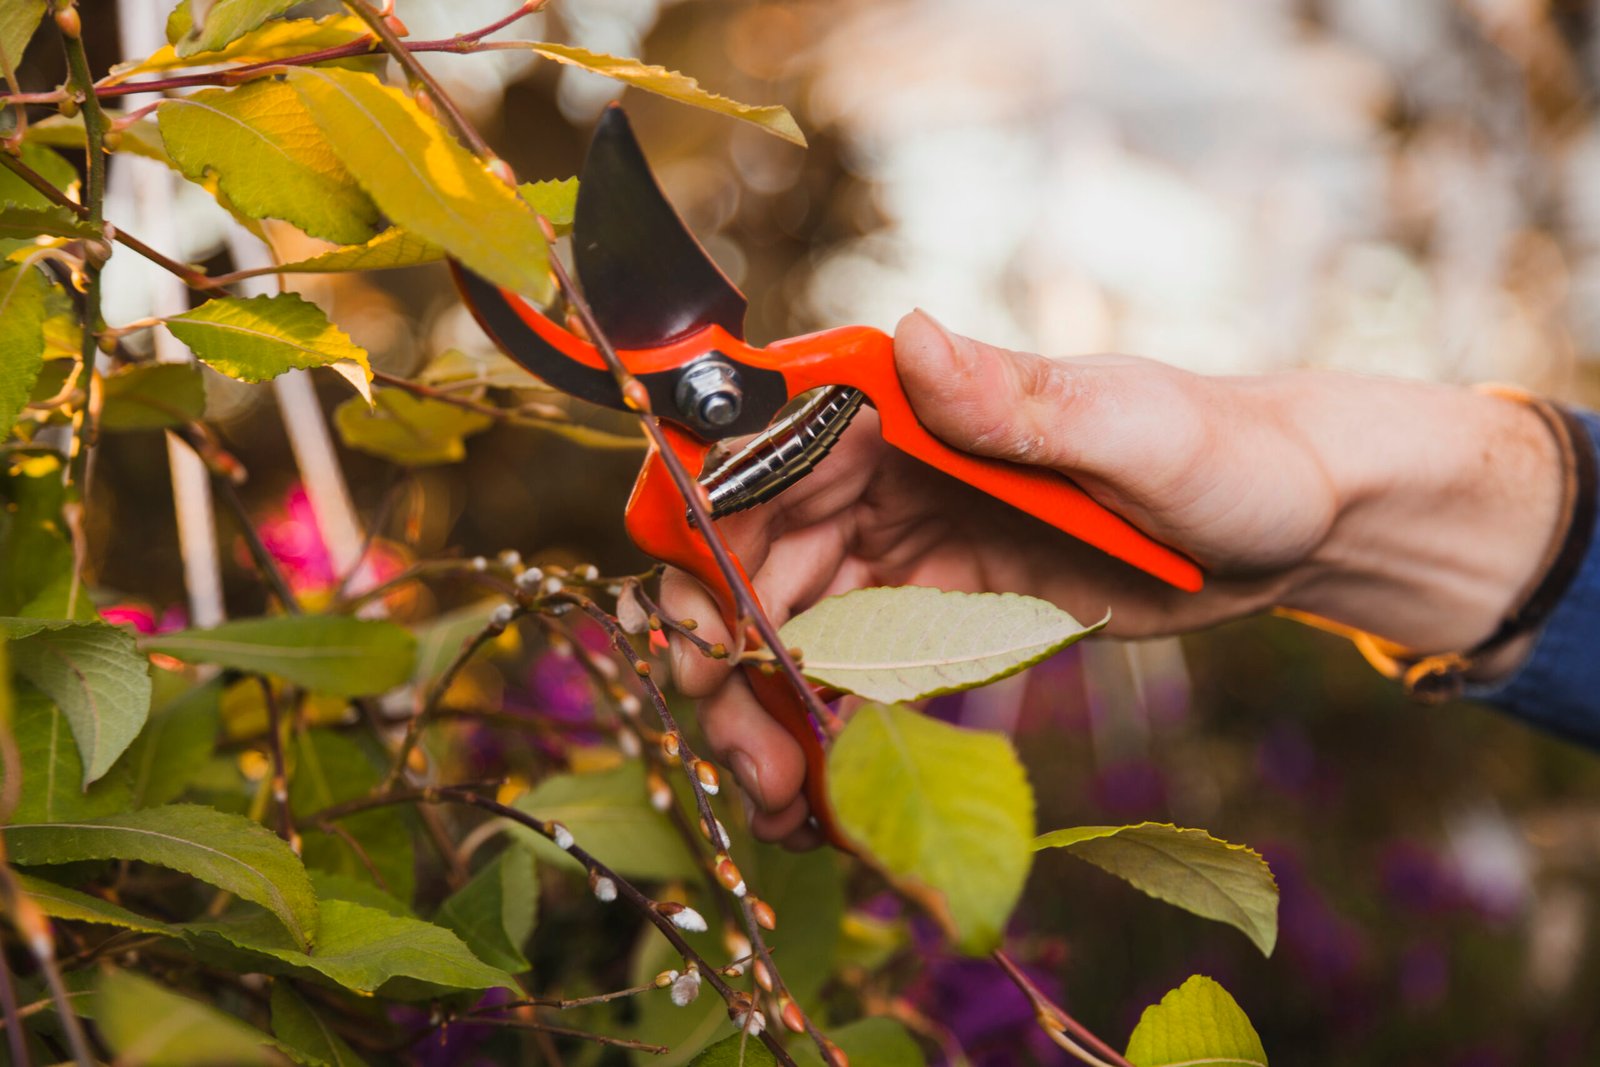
1410 510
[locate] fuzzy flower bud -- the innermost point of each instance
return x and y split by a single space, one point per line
665 978
628 742
604 889
682 916
660 792
501 617
560 835
510 559
528 581
686 988
766 918
479 563
728 874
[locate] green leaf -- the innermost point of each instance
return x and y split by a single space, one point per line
152 397
141 137
945 813
22 293
174 746
227 851
414 431
327 769
273 40
261 337
269 158
331 886
735 1051
610 816
494 913
365 949
393 247
304 1035
18 21
1197 1023
26 223
35 553
673 86
478 370
556 199
60 902
52 770
1185 867
881 1042
148 1026
440 639
423 180
331 654
95 675
224 21
908 642
48 165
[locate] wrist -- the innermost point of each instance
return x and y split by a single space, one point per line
1446 503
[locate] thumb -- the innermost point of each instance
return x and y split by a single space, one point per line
991 401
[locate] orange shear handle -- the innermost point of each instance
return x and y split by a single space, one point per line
658 523
862 357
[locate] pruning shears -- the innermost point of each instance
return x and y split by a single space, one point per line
677 324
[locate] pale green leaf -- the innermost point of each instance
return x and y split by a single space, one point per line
27 223
18 21
440 639
303 1033
279 39
880 1042
269 158
736 1051
142 137
1197 1023
331 654
393 247
609 814
426 182
148 1026
453 368
224 21
1185 867
556 199
52 771
227 851
326 769
414 431
261 337
152 396
674 86
909 642
364 949
494 913
174 746
945 813
22 302
95 675
60 902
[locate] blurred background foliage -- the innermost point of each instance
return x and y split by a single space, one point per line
1399 188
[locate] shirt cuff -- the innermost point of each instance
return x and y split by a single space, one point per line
1557 687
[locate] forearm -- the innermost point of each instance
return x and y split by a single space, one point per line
1447 503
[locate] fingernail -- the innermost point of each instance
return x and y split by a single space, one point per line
744 769
960 347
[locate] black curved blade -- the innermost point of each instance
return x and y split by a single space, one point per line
646 277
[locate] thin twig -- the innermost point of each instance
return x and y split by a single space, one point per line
280 772
684 628
392 44
654 912
16 1040
1054 1021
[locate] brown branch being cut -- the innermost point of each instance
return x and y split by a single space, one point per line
665 917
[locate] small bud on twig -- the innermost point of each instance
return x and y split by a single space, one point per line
560 835
792 1017
686 988
707 777
728 874
766 918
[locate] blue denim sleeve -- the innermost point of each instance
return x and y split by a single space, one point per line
1558 685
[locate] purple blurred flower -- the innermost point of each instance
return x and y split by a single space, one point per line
1424 976
1129 790
1420 880
458 1044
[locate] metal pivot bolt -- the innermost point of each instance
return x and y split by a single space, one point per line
709 395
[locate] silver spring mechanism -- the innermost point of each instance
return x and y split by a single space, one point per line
783 453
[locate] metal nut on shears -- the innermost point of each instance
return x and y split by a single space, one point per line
708 393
